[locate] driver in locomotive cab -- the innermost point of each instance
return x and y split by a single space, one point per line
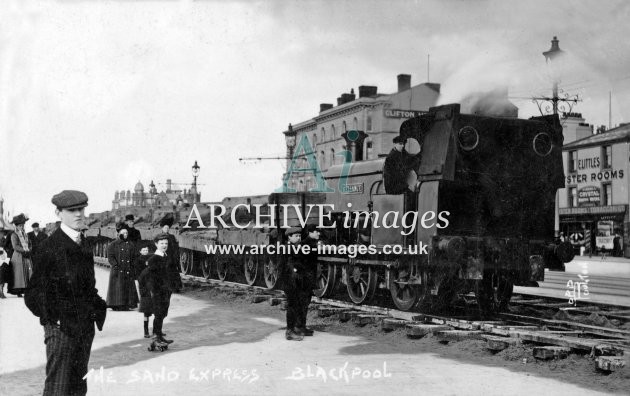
399 172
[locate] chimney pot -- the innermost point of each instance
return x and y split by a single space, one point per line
404 82
325 106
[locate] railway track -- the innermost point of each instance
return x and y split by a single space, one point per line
530 320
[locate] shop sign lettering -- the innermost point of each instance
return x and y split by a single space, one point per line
589 196
608 174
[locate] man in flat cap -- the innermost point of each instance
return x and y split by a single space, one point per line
399 173
293 284
312 240
36 237
157 283
134 234
63 295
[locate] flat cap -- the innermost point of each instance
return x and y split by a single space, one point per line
129 217
34 225
293 230
70 199
399 139
160 237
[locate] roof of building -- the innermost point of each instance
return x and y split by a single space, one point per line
619 134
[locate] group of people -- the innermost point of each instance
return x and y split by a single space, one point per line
17 249
137 276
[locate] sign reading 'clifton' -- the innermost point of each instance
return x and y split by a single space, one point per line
395 113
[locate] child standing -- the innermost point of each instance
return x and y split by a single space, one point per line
142 278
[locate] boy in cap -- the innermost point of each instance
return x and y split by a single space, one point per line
174 280
293 284
156 281
63 295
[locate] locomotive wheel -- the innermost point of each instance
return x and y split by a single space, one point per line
185 261
271 272
493 293
206 266
326 279
250 268
223 266
361 283
405 296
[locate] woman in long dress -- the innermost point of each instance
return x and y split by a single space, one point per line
21 258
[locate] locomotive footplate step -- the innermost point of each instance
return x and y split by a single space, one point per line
496 343
389 324
420 330
551 352
458 335
610 363
364 319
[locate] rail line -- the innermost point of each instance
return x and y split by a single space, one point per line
554 338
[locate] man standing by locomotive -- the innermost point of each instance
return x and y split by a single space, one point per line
312 240
293 283
63 295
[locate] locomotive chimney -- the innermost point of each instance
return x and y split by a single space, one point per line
404 82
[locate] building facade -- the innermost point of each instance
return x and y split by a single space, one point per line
154 199
377 118
593 207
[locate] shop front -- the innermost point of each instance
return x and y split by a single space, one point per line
595 230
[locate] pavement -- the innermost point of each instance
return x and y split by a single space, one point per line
600 265
220 349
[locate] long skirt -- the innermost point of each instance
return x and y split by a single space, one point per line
22 271
122 290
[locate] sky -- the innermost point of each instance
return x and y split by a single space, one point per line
98 95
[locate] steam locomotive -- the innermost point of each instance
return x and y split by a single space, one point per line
493 180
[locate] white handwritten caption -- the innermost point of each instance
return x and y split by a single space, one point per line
164 375
342 373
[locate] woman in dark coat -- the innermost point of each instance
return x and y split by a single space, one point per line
121 254
156 279
21 258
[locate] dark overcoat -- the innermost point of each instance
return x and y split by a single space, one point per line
36 240
63 288
156 280
121 291
134 235
172 253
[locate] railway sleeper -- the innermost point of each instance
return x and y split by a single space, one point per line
497 344
365 319
420 330
610 363
458 335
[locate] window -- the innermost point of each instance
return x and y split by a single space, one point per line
572 197
345 128
322 158
368 149
314 139
607 198
333 132
355 124
323 135
607 156
332 157
368 127
572 161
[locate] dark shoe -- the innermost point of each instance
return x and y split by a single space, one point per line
293 336
19 295
304 331
163 334
146 335
164 340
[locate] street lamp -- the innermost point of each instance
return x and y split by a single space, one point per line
195 173
554 53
